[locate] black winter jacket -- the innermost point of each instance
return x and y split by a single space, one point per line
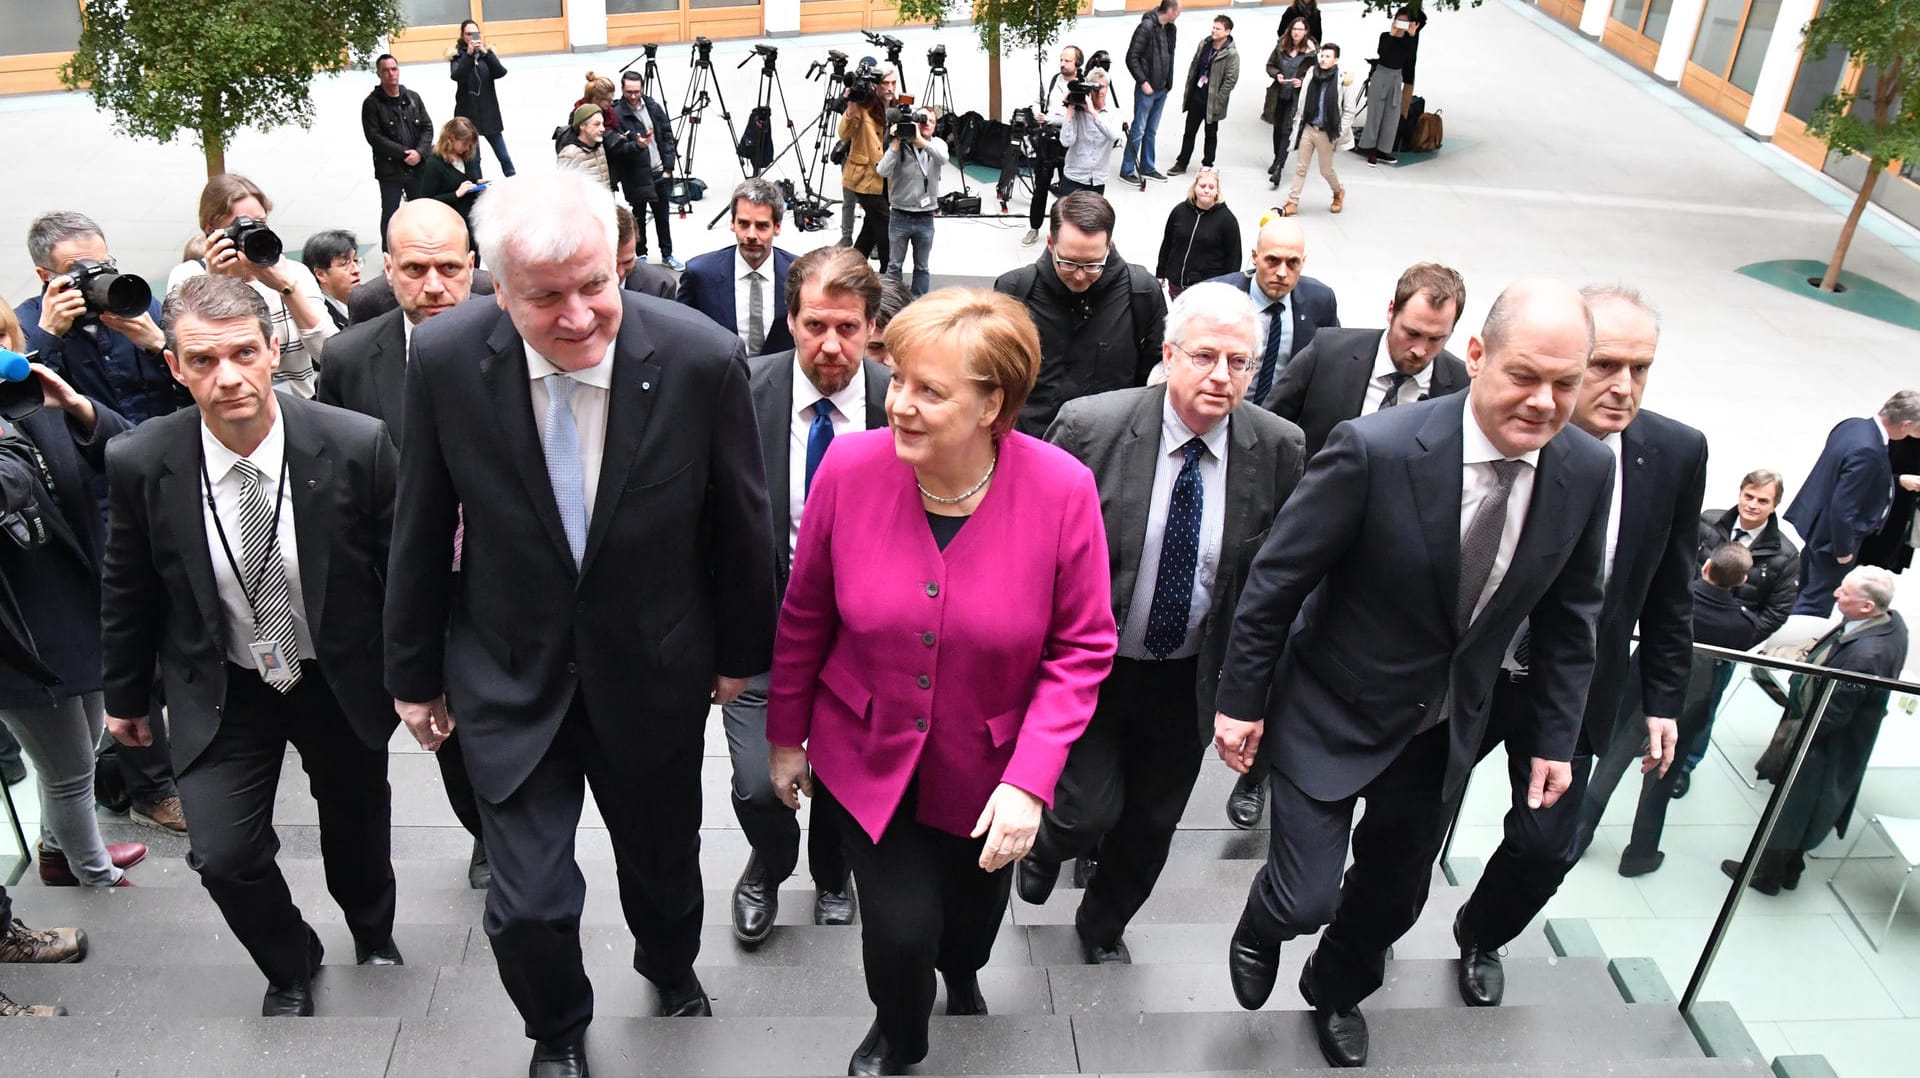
1198 244
474 96
1775 578
1150 53
385 120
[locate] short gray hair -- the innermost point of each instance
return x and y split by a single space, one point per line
1875 584
1215 304
1902 407
758 192
52 229
212 298
1621 293
542 216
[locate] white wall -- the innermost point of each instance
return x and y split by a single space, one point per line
1781 64
1683 28
587 25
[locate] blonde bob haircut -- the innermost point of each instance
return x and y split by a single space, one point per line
995 338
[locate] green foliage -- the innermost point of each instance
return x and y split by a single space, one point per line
1883 37
1388 7
1004 26
214 67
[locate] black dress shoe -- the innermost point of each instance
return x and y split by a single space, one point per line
875 1056
1682 784
687 999
1252 966
1247 802
963 994
1034 878
288 1001
756 903
1342 1034
1636 864
558 1061
1483 980
1107 954
1767 877
479 869
834 907
383 954
1084 870
1795 866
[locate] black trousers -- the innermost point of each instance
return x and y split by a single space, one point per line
228 794
662 226
533 907
1195 118
1282 134
1819 576
1124 788
924 906
773 829
872 241
1300 887
453 775
1708 679
1045 168
1538 847
393 190
1068 185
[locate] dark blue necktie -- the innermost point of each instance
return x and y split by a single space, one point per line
1395 380
818 439
1270 359
1179 557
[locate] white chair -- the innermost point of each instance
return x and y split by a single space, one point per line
1902 836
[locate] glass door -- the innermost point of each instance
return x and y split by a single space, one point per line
1727 54
1635 29
1567 11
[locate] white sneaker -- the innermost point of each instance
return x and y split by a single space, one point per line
1032 237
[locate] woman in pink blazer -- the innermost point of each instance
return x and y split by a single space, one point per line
945 633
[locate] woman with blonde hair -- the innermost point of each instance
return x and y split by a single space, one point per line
452 172
1202 237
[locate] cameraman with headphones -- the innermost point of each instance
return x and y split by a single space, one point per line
912 166
1048 151
1090 134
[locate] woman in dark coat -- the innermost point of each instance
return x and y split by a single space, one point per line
1202 238
1289 65
474 68
1892 546
452 172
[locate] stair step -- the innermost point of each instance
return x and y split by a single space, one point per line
129 940
1428 983
158 991
1631 1068
213 1048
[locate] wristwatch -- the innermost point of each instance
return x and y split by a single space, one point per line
286 290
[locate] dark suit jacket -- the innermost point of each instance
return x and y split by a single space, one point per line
677 582
1774 580
1314 308
158 596
366 371
1720 619
706 285
1346 632
646 279
1655 562
372 298
1326 384
1117 436
1847 493
771 378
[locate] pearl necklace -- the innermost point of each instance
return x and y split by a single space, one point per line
977 487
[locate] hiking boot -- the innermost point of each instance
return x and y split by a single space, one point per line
1339 201
46 946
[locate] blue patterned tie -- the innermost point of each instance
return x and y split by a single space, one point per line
561 442
1270 359
1395 380
818 438
1179 556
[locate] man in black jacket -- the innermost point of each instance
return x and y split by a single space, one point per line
643 174
1150 61
397 126
1100 317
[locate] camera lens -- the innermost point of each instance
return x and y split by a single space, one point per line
255 241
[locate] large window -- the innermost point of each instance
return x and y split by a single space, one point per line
1818 76
36 26
522 9
1753 43
1648 17
1719 29
436 12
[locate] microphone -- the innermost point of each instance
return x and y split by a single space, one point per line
20 393
14 367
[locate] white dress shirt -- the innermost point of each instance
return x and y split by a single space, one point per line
1382 376
1612 442
1265 304
227 485
743 294
1174 433
1477 480
849 415
589 406
1741 534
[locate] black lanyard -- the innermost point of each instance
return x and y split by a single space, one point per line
219 529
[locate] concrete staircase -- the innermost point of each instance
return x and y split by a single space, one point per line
166 990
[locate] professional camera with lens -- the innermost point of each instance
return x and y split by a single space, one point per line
937 57
109 291
1102 60
903 120
255 241
863 82
1078 91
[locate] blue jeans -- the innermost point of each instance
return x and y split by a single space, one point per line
1144 130
499 144
918 228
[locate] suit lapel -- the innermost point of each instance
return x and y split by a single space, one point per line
310 471
775 433
1249 464
1434 475
504 373
1639 461
723 284
390 368
1354 375
183 498
629 406
877 376
1138 456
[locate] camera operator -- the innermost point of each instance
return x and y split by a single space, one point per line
912 166
644 172
474 68
396 124
108 357
1048 150
233 221
864 126
1090 134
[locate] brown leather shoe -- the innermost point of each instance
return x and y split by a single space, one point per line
56 872
1291 209
10 1009
47 946
1339 201
161 816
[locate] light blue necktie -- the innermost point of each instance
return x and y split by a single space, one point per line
560 440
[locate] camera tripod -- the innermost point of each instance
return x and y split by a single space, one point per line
687 123
893 45
650 72
770 87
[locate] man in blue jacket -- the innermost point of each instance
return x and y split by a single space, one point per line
1846 497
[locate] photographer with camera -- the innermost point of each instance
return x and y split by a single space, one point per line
871 91
395 123
1091 132
1049 152
112 357
474 68
237 243
912 166
644 173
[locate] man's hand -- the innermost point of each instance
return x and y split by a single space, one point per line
61 306
1146 88
1662 737
787 764
412 158
139 329
429 723
1910 482
727 689
1848 560
56 393
1009 822
1550 779
131 732
1236 741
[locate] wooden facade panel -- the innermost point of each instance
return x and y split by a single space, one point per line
724 22
421 44
833 16
1567 11
1630 43
32 73
1716 93
660 27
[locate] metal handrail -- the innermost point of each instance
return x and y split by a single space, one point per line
1769 662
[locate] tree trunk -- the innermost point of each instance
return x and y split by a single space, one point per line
993 77
216 153
1832 279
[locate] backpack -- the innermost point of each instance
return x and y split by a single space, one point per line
1142 287
1428 133
756 146
966 135
1403 138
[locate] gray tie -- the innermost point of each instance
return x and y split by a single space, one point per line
560 440
270 594
756 312
1480 543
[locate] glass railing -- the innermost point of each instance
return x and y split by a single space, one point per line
13 839
1776 881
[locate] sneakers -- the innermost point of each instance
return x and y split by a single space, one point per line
1179 168
1339 201
46 946
1128 177
10 1009
1153 174
161 815
1386 158
1032 237
675 263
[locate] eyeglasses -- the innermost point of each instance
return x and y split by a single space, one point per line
1091 269
1205 359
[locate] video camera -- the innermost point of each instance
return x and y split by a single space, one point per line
863 82
1100 59
255 241
108 290
885 41
809 214
903 120
703 50
1078 90
937 58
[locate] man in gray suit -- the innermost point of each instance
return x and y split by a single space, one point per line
1189 478
802 398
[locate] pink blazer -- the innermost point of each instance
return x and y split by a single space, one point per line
969 667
